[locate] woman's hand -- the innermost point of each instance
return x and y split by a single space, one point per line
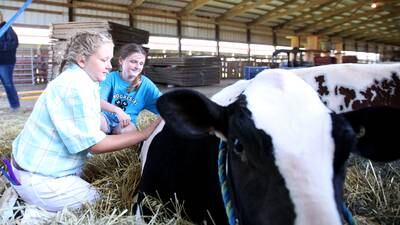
124 119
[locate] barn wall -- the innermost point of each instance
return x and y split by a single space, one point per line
198 30
157 26
349 45
232 34
262 37
36 14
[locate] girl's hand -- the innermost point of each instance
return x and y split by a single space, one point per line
149 130
124 119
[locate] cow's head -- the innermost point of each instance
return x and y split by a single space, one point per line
287 151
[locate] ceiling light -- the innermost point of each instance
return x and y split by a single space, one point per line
374 5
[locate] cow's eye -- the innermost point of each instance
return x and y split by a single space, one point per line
238 150
238 147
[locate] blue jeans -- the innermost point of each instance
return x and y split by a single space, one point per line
6 77
112 121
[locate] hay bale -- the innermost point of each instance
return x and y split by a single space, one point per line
10 126
116 175
372 191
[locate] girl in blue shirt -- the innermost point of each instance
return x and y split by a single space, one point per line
127 92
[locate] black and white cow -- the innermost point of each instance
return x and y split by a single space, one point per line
286 150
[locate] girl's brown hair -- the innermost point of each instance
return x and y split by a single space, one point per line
125 52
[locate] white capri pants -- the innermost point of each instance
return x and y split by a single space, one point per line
54 194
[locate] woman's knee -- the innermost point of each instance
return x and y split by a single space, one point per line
130 128
103 124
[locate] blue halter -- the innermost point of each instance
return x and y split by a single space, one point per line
229 208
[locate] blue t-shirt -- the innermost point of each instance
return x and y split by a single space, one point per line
115 91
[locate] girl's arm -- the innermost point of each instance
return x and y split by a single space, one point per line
123 118
106 106
116 142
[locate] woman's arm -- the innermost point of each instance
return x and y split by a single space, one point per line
116 142
123 118
106 106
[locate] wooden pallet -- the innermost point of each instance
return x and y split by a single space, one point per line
185 71
121 35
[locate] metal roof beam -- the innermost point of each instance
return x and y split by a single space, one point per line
192 6
276 14
344 30
241 8
301 18
330 14
134 4
271 15
370 16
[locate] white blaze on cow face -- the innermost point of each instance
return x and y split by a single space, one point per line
300 126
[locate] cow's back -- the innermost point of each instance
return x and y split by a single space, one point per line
347 87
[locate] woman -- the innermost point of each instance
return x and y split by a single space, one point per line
127 92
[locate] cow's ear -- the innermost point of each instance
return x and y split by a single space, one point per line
190 113
376 127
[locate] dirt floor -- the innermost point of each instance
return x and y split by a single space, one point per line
28 104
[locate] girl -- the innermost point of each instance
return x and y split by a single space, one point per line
63 128
125 93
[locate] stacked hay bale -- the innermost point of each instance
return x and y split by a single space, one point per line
185 71
61 32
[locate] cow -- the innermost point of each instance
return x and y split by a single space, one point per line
286 150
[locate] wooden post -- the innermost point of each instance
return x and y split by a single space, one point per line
248 39
312 44
131 20
294 41
339 47
274 38
179 29
217 37
71 11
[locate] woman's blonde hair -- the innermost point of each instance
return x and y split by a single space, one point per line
125 52
83 44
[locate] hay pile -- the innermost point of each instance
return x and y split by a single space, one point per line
372 190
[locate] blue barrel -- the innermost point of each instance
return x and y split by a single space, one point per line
250 72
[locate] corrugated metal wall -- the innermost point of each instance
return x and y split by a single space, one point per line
198 30
38 14
361 46
232 34
157 26
349 45
262 37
